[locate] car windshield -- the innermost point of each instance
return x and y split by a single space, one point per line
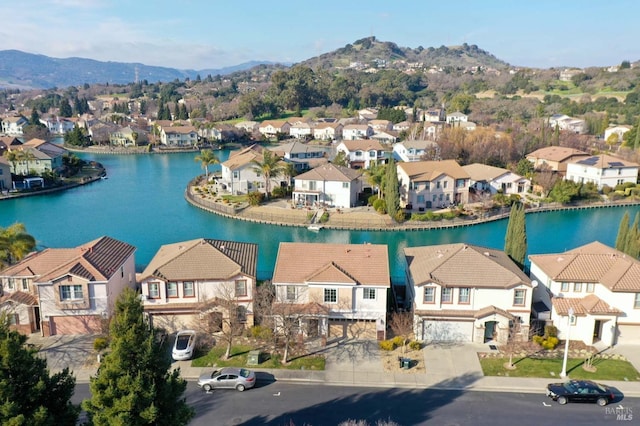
244 372
183 342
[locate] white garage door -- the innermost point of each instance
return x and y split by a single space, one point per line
447 331
629 334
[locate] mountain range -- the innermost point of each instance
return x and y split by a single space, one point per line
21 70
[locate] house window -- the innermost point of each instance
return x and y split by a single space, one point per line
572 320
577 287
370 293
429 295
435 197
236 175
11 285
71 292
187 289
438 185
172 289
312 185
519 297
590 287
25 284
463 296
154 290
446 296
420 199
291 292
636 302
358 153
241 314
564 287
444 184
241 288
330 295
13 319
345 185
460 183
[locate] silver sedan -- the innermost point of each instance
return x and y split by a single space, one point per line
228 378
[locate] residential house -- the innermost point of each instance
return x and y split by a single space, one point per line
555 158
301 155
466 125
12 125
8 143
432 184
68 290
352 132
248 126
274 128
336 290
456 117
368 114
58 125
239 175
178 136
568 73
491 180
301 130
329 185
210 133
602 170
380 125
433 115
195 282
100 132
126 136
600 284
362 153
402 126
385 137
619 131
564 122
328 131
5 175
40 156
416 150
467 293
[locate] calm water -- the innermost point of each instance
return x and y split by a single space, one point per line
142 203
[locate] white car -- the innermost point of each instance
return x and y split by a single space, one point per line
184 345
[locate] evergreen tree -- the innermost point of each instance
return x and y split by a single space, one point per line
623 231
28 395
65 108
392 195
632 243
515 241
183 113
35 117
133 385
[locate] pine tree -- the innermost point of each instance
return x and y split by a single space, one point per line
515 241
133 385
28 395
392 196
623 231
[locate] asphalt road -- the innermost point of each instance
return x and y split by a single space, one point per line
289 404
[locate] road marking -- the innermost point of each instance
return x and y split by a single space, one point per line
545 404
276 394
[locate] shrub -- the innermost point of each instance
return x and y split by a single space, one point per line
538 339
400 216
398 341
380 206
324 218
100 343
260 332
255 198
372 199
415 345
279 192
551 331
387 345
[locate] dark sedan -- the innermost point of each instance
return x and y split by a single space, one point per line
580 391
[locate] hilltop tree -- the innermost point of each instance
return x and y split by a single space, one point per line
133 385
28 394
207 158
515 240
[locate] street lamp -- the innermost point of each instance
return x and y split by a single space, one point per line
563 373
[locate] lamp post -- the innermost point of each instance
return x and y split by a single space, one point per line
563 373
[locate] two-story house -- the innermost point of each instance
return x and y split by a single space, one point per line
178 136
329 185
127 136
362 153
328 131
600 284
274 128
5 175
12 126
303 156
416 150
58 125
300 130
339 290
492 179
39 156
68 290
456 117
352 132
602 170
198 281
467 293
432 184
618 131
555 158
239 174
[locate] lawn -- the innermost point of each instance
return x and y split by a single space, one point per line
239 355
607 369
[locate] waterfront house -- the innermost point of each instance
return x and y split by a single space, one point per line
239 174
58 125
68 290
362 153
491 180
328 185
100 132
555 158
300 154
5 175
602 287
352 132
467 293
328 131
178 136
126 136
8 143
12 125
416 150
602 170
199 283
432 184
274 128
39 156
336 291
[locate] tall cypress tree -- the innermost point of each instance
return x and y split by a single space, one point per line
392 195
133 385
632 243
515 240
623 231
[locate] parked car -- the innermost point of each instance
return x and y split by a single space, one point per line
184 345
228 378
580 391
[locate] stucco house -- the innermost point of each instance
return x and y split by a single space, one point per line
301 155
602 170
273 128
492 179
352 132
68 290
301 130
12 125
456 117
416 150
328 131
329 185
619 131
127 136
555 158
190 283
432 184
602 287
336 290
433 115
5 175
362 153
58 125
40 156
571 124
178 136
238 174
467 293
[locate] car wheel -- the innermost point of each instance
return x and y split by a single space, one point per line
240 388
207 387
602 402
562 400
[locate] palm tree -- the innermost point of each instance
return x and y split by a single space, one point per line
375 177
13 157
27 156
207 158
269 168
15 243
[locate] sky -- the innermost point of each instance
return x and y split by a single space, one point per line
212 34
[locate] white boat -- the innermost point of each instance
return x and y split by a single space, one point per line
315 228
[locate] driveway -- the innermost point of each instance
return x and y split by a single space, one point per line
73 351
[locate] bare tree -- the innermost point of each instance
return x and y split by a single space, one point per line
401 324
546 178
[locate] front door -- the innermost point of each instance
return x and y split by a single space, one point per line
597 331
489 330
